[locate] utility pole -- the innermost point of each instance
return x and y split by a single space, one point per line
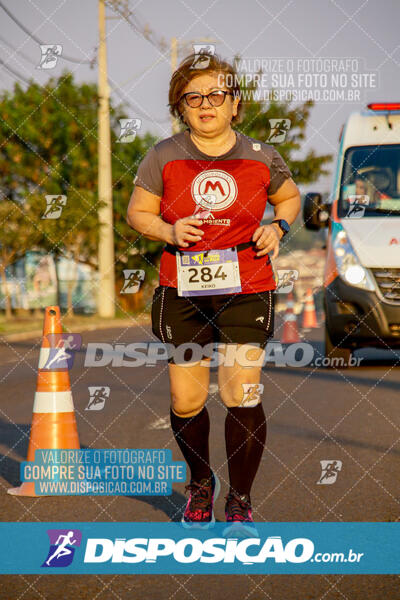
106 289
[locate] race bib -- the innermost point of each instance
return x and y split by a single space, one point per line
207 273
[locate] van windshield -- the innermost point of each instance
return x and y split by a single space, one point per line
370 182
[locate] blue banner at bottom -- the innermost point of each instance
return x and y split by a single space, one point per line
162 548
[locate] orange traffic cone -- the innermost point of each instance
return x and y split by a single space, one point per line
309 314
53 422
290 330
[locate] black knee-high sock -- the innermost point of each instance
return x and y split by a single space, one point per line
191 434
245 435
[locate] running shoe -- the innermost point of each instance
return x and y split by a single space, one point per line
238 515
199 509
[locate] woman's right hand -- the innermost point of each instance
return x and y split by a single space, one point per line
185 231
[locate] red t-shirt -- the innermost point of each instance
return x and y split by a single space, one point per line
228 192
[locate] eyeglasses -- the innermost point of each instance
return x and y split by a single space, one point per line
195 99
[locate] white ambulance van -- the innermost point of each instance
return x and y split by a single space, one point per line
362 269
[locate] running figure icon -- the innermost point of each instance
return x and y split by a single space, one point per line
62 549
61 354
330 471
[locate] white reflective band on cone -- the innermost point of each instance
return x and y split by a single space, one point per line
53 402
43 356
290 317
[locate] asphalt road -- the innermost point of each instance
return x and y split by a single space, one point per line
313 414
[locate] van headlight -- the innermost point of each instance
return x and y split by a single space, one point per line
349 267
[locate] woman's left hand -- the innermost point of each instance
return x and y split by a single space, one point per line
267 240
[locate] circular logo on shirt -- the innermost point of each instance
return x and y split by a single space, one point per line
214 190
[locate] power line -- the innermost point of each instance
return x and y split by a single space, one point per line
27 58
14 72
38 41
144 71
115 89
135 108
143 30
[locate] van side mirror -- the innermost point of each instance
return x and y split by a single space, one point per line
316 213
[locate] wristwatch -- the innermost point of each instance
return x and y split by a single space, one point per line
283 225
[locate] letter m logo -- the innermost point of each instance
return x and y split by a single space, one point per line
213 187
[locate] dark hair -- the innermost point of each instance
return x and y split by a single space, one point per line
186 72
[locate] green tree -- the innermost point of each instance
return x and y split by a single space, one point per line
18 234
49 147
73 234
132 250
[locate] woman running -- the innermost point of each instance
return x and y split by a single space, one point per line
203 191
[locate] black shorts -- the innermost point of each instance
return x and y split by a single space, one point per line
223 318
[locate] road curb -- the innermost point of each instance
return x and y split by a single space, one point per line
115 324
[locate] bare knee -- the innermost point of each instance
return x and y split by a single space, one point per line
231 394
189 389
188 403
239 384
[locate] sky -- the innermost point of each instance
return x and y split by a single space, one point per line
356 38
